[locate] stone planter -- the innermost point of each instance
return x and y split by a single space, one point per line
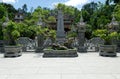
12 51
118 46
60 53
108 50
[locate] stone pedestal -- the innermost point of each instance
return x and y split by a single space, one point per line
40 42
81 39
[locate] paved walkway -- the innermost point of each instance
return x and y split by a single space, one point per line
86 66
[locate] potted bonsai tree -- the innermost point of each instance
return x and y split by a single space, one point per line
108 49
11 35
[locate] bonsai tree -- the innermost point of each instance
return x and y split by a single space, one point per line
52 35
106 35
11 33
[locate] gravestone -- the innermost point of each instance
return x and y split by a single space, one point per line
81 35
60 28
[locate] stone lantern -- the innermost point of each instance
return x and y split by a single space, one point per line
113 25
39 38
39 23
19 17
81 35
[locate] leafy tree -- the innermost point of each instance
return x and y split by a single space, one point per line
10 10
117 12
114 1
11 32
2 11
1 33
24 8
51 19
43 13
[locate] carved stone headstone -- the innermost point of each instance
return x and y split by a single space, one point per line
81 35
60 28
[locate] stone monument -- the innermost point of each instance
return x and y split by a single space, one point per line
81 35
60 28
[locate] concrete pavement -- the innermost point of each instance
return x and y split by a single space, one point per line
85 66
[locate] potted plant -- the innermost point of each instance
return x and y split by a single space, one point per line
11 35
108 49
57 50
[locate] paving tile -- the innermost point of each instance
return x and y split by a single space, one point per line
34 76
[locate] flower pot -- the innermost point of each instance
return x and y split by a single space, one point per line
60 53
107 50
12 51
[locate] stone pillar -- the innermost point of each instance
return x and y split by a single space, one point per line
60 28
81 36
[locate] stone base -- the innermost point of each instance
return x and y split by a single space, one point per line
60 40
39 49
82 49
60 53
